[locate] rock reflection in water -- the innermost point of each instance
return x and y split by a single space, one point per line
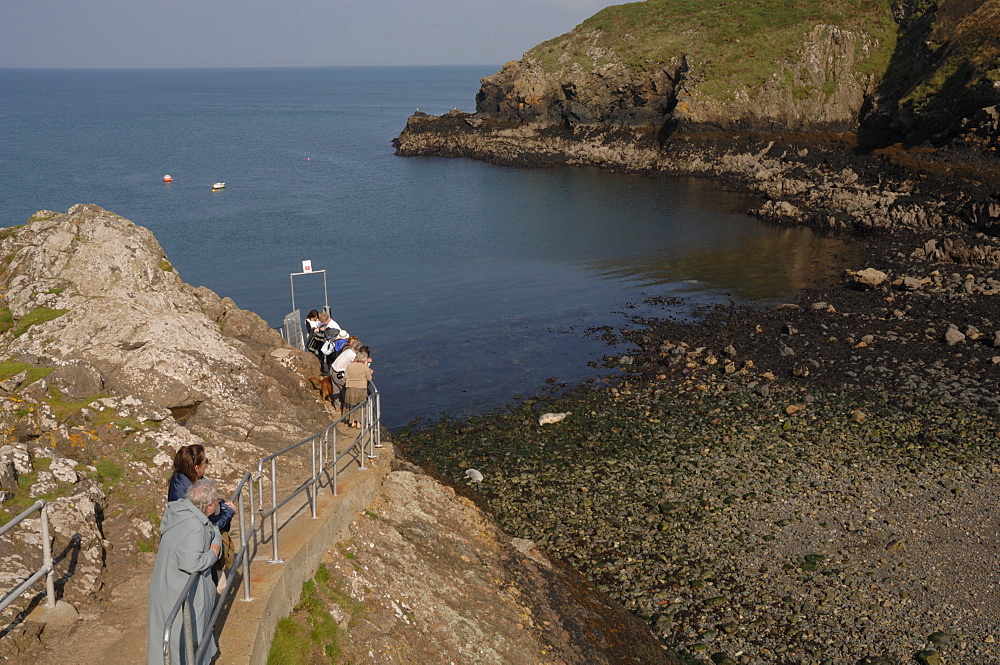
754 266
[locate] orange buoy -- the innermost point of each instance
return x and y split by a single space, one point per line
168 178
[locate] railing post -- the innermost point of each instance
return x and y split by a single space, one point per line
361 437
322 453
50 587
253 509
334 460
188 630
274 513
369 429
312 490
378 420
243 540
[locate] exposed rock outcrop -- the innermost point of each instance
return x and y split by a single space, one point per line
610 94
822 90
111 364
130 326
473 594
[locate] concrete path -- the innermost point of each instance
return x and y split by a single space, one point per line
117 633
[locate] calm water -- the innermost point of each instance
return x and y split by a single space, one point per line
472 283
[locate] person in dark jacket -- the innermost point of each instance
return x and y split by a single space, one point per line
190 464
314 341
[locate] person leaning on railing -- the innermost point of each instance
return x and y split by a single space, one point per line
337 367
189 545
313 342
190 465
356 378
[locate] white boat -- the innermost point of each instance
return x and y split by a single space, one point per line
219 185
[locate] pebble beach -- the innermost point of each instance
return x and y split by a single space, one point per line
813 482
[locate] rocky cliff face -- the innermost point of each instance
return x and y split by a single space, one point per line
131 327
913 71
611 94
472 594
821 90
111 363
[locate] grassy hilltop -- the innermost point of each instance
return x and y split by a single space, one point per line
922 62
743 41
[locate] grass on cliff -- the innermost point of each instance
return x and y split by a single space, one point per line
8 231
64 409
311 635
6 319
37 315
962 48
740 43
9 368
22 499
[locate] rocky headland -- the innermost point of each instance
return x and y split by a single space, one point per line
810 483
881 117
111 362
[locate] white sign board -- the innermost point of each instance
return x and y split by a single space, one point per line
307 266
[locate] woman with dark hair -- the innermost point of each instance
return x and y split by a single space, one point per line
190 464
314 341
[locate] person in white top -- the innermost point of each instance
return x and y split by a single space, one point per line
340 363
327 329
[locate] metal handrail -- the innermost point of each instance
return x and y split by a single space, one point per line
169 623
47 569
237 497
370 435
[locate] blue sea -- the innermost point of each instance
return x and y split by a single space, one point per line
472 283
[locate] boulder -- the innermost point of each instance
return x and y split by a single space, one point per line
869 278
8 477
953 335
78 380
64 470
552 418
13 382
18 455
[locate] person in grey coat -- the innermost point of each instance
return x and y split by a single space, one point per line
189 544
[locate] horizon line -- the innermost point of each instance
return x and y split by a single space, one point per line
125 68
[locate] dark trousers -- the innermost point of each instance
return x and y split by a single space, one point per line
339 382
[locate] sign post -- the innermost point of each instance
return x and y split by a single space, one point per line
307 269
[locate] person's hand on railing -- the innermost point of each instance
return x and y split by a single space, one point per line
230 505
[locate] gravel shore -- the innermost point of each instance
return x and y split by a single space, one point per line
810 483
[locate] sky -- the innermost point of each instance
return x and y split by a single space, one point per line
279 33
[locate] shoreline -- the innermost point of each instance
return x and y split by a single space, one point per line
820 180
830 500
